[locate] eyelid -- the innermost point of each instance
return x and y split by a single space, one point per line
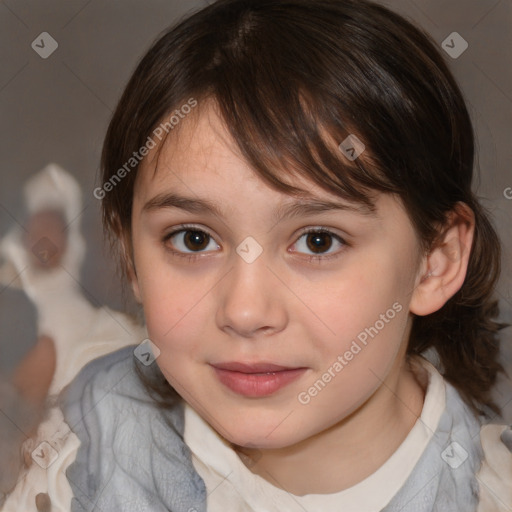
187 227
304 231
319 229
183 228
321 256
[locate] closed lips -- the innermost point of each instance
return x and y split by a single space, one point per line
254 368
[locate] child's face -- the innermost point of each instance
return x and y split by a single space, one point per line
341 322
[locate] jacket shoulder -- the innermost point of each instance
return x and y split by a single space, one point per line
495 475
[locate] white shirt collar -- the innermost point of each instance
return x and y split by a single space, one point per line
228 480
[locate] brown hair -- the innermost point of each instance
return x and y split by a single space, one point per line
283 74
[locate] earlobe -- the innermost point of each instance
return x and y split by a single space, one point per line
444 268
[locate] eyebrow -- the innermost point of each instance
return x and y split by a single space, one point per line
301 207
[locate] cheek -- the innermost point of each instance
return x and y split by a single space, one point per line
357 361
354 300
174 308
364 314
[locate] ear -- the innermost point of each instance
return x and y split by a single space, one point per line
444 269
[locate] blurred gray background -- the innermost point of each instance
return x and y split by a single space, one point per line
57 110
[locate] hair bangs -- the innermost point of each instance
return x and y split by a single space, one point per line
285 135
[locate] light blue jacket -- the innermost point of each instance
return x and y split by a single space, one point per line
133 457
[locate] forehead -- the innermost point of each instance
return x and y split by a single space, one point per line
201 171
201 152
200 140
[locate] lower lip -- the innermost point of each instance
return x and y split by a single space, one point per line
257 384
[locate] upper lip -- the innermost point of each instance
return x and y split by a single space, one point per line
252 367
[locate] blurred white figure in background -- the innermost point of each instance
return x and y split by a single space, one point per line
45 260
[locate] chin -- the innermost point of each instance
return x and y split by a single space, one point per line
249 442
260 437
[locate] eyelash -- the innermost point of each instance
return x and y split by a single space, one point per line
310 258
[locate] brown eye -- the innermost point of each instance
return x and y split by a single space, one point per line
189 241
319 242
196 240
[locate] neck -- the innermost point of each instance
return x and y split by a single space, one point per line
351 450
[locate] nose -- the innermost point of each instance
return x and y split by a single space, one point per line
251 300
